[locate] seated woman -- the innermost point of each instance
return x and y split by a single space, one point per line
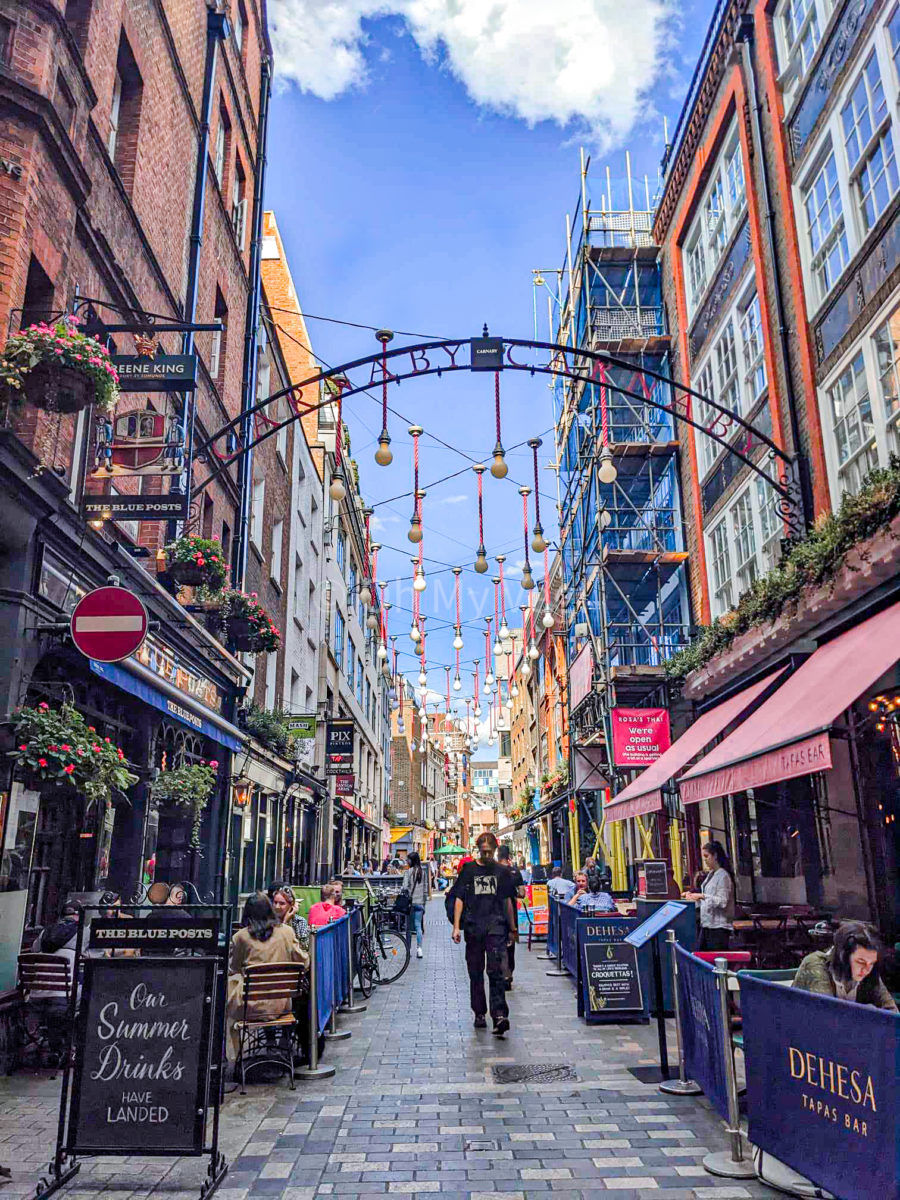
589 896
848 971
262 939
285 904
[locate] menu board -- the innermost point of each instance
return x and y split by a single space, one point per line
142 1057
656 876
612 978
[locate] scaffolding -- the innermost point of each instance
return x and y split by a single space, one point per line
622 541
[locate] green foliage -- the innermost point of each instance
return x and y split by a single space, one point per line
58 746
188 786
63 345
206 553
269 728
808 564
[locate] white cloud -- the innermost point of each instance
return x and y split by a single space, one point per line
452 499
590 62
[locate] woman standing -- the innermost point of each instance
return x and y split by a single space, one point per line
416 882
716 899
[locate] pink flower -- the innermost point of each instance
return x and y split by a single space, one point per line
214 763
80 753
42 762
23 746
95 748
107 741
43 707
92 728
69 768
64 746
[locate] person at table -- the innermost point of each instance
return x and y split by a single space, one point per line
716 899
589 895
327 909
560 888
849 970
261 939
285 904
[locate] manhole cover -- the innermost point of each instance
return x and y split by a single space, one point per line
533 1072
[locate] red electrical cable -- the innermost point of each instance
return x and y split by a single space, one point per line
604 415
497 404
480 511
384 379
547 579
502 593
339 435
537 492
487 653
496 608
457 602
525 520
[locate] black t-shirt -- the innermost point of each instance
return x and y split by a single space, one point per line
516 876
484 890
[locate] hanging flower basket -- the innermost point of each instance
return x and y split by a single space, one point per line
58 747
197 562
188 786
56 367
248 627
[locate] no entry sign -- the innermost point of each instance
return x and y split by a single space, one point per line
109 624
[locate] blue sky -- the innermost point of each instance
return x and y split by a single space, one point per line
404 203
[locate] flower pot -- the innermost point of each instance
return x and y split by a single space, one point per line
59 389
242 634
187 574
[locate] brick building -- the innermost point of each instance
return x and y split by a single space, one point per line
130 142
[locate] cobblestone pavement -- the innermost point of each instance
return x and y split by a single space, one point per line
414 1108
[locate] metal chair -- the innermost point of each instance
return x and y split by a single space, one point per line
45 984
268 1039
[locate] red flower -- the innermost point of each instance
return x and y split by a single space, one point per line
121 755
53 747
65 747
43 707
107 741
92 728
95 748
69 768
42 762
23 746
214 763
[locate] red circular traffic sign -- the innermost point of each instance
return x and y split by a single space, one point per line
109 624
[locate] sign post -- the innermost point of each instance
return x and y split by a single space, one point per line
646 932
149 1039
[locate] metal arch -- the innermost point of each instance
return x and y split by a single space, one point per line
785 485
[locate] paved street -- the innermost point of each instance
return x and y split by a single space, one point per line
414 1108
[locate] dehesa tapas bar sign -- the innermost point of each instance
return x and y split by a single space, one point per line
142 1057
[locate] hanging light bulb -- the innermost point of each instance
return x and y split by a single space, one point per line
414 634
477 710
401 727
423 679
412 745
533 652
336 490
382 651
538 542
508 703
525 669
499 469
491 740
605 518
527 578
384 455
371 620
457 641
607 470
365 595
497 647
422 713
419 583
415 528
514 691
423 746
488 686
489 678
548 620
457 684
481 562
505 636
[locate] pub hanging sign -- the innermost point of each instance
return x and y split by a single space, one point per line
159 373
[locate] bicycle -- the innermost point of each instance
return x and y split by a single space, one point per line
381 950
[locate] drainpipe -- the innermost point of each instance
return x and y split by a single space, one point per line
216 31
251 337
745 37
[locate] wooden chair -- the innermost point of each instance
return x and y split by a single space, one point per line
268 1039
45 984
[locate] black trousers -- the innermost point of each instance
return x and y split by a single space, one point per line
487 951
714 939
510 959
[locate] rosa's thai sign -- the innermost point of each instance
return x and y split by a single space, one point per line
640 735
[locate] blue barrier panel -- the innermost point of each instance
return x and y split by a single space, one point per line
568 918
822 1087
701 1029
553 927
328 942
342 974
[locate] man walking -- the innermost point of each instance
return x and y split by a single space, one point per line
505 860
483 908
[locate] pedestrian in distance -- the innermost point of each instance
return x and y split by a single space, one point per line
524 869
716 899
483 909
504 858
417 883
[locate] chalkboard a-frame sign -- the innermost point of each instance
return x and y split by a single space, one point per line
142 1057
612 978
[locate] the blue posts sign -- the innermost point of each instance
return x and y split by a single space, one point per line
822 1084
701 1029
613 974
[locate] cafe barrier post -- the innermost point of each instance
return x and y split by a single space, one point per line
733 1164
558 969
682 1086
314 1070
348 1006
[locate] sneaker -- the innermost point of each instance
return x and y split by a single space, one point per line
419 953
501 1026
480 1023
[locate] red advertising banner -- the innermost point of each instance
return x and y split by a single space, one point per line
640 735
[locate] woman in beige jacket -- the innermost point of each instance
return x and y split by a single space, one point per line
262 939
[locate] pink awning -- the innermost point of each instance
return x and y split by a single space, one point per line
644 794
787 736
